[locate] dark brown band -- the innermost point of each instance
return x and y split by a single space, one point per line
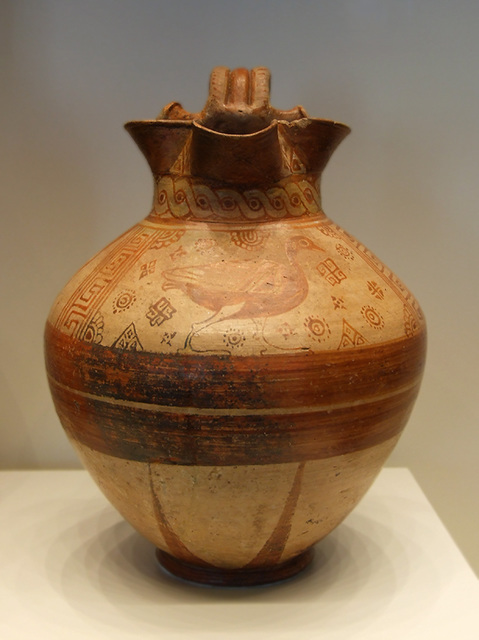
213 410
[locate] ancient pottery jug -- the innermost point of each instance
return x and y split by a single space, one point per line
235 369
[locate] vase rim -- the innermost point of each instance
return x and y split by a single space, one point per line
299 123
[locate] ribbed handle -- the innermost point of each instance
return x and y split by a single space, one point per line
239 101
240 90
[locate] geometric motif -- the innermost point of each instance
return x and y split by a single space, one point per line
345 252
160 311
375 290
178 253
286 330
372 317
318 328
234 338
94 331
123 301
185 197
90 294
248 239
166 237
351 337
206 246
147 269
291 160
338 302
128 340
167 338
327 230
330 271
274 545
410 323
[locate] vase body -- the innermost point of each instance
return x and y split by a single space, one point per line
235 369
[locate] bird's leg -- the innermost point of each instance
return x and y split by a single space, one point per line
196 327
222 314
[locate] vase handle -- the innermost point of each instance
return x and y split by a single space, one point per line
238 103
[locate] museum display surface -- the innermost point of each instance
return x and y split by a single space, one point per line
72 567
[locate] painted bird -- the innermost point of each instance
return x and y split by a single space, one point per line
244 288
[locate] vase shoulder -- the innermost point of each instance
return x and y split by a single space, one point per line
281 288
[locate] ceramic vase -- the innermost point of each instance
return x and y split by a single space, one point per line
235 369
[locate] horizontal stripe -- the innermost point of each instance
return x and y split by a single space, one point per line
224 410
303 222
211 411
178 438
232 382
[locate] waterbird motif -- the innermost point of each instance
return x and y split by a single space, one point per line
235 289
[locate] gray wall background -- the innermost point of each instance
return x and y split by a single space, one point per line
403 75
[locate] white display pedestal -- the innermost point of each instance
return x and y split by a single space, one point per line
72 568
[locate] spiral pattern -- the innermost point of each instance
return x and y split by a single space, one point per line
186 198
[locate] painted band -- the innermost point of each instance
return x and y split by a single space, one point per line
225 382
226 411
143 435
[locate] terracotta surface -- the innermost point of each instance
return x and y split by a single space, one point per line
235 369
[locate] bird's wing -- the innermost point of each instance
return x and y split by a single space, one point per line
268 277
187 275
235 275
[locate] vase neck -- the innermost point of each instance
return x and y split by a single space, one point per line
192 199
239 158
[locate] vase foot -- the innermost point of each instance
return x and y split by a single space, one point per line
244 577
